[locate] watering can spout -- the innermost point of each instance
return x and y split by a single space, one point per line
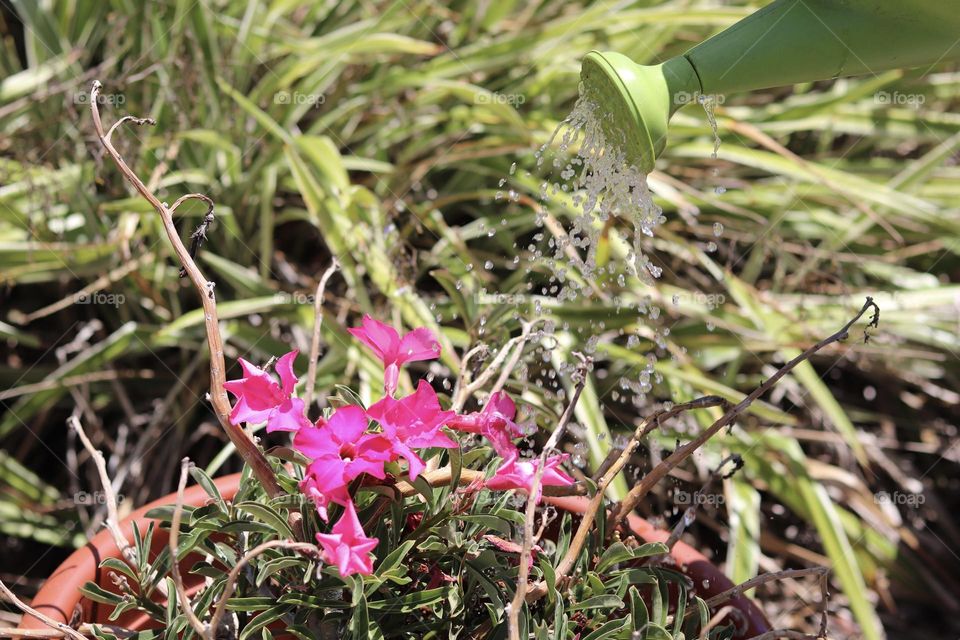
786 42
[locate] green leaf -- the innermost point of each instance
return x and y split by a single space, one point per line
609 629
638 610
268 515
743 548
98 594
597 602
201 478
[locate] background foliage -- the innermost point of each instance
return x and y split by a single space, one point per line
380 132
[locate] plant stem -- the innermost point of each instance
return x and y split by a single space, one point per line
243 442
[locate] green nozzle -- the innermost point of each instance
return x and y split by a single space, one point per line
786 42
636 101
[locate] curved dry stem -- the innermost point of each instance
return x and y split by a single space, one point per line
231 584
192 196
64 629
638 492
184 600
315 338
244 444
137 121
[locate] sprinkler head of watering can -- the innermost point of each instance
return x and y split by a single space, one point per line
634 102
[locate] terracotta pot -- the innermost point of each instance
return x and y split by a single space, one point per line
60 595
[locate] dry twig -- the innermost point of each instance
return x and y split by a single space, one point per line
112 522
244 444
65 629
638 492
520 595
202 630
315 339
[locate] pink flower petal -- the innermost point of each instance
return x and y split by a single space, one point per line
348 423
284 369
391 378
347 546
317 442
501 403
419 344
381 338
519 474
289 416
261 399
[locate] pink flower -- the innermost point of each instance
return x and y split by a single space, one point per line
394 351
261 399
348 547
322 485
494 422
518 474
340 444
413 422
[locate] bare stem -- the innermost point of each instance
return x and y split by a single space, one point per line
65 629
586 522
202 630
244 444
112 522
315 339
113 516
231 584
520 596
85 629
638 492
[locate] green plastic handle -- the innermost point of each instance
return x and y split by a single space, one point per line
791 41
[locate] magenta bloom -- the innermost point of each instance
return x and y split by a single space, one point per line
394 351
413 422
348 547
324 484
341 443
518 474
494 422
261 399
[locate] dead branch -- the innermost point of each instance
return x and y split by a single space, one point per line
638 492
244 444
315 339
520 596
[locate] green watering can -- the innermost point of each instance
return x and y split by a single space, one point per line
786 42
